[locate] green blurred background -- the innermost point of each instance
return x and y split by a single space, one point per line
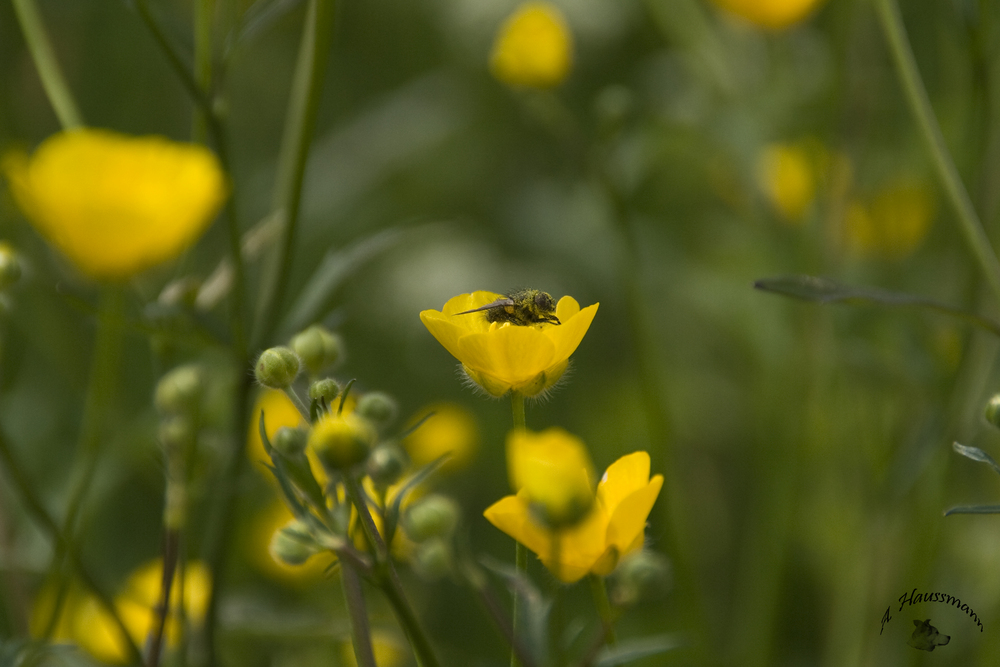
807 450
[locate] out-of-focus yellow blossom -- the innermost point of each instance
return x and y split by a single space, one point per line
266 524
41 610
504 357
787 176
773 14
893 225
554 470
451 430
389 650
533 48
114 204
93 629
614 527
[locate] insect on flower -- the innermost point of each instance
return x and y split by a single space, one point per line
522 307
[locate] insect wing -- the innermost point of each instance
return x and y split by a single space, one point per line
496 304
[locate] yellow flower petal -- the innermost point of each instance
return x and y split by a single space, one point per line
116 205
773 14
510 353
627 474
628 519
511 515
567 336
533 47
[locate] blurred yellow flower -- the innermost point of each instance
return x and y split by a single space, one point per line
773 14
787 176
504 357
266 524
114 204
614 527
451 430
554 470
893 225
533 48
389 649
86 623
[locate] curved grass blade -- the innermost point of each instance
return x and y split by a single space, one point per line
976 454
974 509
627 651
823 290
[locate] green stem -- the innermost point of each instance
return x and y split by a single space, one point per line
360 632
203 14
303 104
920 105
599 590
556 612
171 550
520 551
101 386
44 56
25 488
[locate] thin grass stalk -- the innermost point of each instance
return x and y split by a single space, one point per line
520 551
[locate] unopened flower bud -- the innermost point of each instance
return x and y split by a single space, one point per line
432 516
176 431
387 464
179 391
10 267
290 442
342 441
318 348
377 407
993 410
293 544
433 559
277 367
638 576
327 389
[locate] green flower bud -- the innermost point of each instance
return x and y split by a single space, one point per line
639 576
176 431
318 348
378 407
277 367
342 441
10 266
430 517
993 410
326 388
290 442
433 559
179 391
387 464
293 544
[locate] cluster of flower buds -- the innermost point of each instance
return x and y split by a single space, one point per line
347 461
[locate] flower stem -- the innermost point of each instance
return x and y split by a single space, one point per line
203 14
599 590
916 96
303 104
520 551
387 580
556 613
355 599
44 57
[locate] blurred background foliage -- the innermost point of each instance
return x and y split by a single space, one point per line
688 152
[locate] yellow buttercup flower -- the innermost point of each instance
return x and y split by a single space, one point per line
451 430
787 176
554 470
501 357
94 630
533 48
614 527
893 224
773 14
114 204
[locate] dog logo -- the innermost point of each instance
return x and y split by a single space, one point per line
926 637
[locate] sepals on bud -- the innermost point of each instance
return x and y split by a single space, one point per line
326 389
179 391
294 544
341 441
430 517
277 367
290 442
318 348
377 407
433 559
387 464
638 576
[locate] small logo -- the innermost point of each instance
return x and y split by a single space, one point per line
926 637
